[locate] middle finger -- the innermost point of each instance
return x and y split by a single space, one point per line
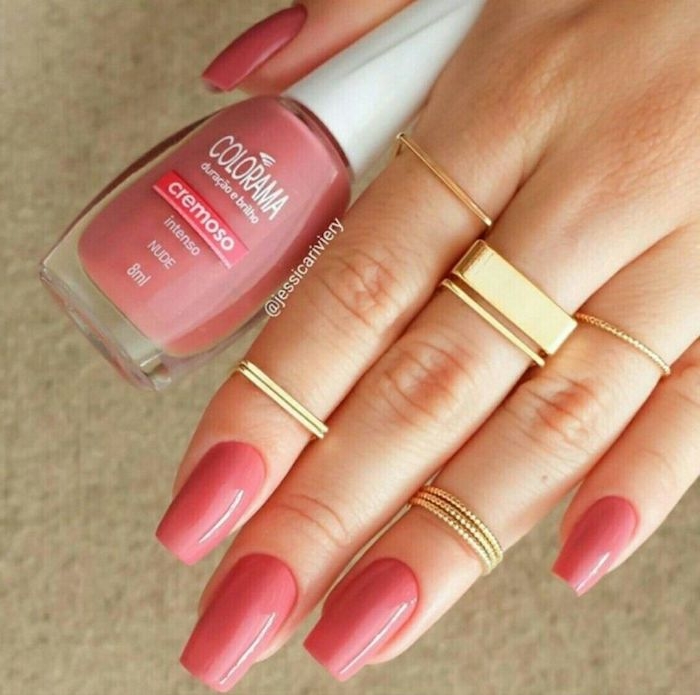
431 390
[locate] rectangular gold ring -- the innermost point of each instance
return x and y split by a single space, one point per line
524 305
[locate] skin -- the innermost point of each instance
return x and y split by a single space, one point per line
574 124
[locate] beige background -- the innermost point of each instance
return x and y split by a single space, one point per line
90 603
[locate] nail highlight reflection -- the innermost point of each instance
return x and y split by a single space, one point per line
212 500
361 615
595 543
246 611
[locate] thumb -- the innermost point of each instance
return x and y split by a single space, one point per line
285 46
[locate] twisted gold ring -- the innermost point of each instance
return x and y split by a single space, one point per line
450 509
594 321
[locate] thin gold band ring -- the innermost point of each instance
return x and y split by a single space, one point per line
437 171
603 325
284 400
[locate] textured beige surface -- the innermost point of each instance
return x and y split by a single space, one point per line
90 604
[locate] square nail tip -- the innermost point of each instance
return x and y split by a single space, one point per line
212 685
254 48
579 591
186 558
211 86
216 84
338 676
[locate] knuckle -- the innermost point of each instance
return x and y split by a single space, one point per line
538 82
649 141
663 470
362 287
686 383
427 383
559 414
310 516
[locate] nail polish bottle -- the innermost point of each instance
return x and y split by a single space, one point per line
174 261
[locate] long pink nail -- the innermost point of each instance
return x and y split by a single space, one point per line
212 500
247 610
596 541
360 617
254 47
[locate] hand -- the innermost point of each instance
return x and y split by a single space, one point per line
574 124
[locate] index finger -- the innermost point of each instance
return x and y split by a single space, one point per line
399 240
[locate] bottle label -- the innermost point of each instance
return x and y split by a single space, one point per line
201 216
261 192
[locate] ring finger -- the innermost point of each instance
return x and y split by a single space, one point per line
534 449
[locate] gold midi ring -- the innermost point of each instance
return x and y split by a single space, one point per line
464 522
627 338
509 302
284 400
443 177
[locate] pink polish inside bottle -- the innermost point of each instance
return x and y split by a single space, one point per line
160 270
176 259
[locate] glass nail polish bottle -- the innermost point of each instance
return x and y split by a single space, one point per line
175 260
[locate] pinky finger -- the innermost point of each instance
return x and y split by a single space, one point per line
629 493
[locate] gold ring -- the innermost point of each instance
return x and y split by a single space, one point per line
284 400
444 178
464 522
511 303
500 327
659 361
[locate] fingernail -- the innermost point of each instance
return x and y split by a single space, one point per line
245 613
253 48
595 542
360 617
212 500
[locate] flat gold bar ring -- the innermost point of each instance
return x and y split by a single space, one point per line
510 302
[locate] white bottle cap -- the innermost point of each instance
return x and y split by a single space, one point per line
369 92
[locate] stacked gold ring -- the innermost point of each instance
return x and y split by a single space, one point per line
464 522
283 398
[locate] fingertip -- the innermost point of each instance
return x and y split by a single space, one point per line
211 503
253 48
597 540
366 613
284 47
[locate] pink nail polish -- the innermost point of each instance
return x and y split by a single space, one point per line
247 610
595 542
212 500
362 616
253 48
178 258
